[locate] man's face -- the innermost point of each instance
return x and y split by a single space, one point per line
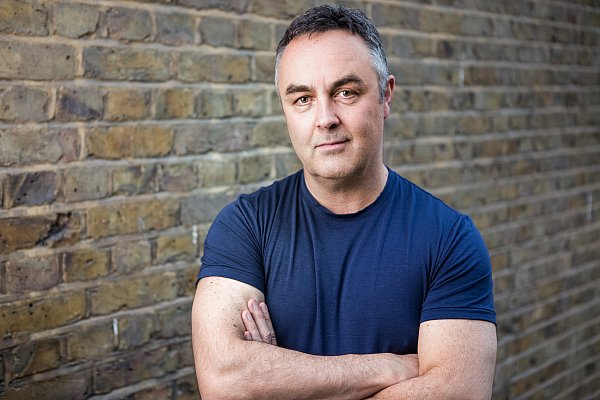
331 101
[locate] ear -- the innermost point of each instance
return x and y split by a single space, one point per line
387 97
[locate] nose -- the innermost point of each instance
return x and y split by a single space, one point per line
326 115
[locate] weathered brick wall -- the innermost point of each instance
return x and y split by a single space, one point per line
126 125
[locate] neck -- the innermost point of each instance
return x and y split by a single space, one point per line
348 195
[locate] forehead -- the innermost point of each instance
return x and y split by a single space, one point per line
324 57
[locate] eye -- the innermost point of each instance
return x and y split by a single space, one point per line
346 94
302 100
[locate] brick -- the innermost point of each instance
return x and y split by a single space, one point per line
123 63
141 365
131 256
177 247
217 31
255 168
250 102
28 17
440 21
128 24
91 341
71 385
38 314
175 29
84 183
174 321
75 20
264 70
213 67
254 35
159 391
216 103
23 104
28 274
186 388
178 177
79 104
135 331
29 189
132 292
131 218
33 61
134 180
23 232
85 265
211 205
127 104
399 17
216 172
284 9
125 141
286 164
236 6
212 136
176 103
24 145
36 356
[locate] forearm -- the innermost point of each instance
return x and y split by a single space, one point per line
432 386
257 370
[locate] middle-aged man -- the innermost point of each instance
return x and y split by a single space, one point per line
374 287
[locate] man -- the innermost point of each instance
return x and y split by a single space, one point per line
374 287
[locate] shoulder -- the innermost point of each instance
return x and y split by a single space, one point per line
422 203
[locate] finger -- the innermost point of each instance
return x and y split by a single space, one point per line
271 332
248 336
250 326
263 321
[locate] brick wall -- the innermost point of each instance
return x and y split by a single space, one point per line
126 125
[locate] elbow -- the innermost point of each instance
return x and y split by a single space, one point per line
226 384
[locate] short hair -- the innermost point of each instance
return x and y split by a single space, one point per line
336 17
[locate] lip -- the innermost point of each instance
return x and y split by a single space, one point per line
332 146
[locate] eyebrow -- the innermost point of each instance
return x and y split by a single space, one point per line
350 78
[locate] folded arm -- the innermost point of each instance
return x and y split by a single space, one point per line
456 357
456 361
230 367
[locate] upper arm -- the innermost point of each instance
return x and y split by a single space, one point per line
217 324
461 352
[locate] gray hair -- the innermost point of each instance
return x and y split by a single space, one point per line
333 17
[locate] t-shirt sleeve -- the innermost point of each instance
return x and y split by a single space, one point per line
231 248
460 283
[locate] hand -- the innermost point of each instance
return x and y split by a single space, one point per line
257 322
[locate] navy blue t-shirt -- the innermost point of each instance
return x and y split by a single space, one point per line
354 283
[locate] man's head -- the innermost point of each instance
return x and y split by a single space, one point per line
335 17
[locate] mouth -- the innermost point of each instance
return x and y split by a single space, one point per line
333 145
